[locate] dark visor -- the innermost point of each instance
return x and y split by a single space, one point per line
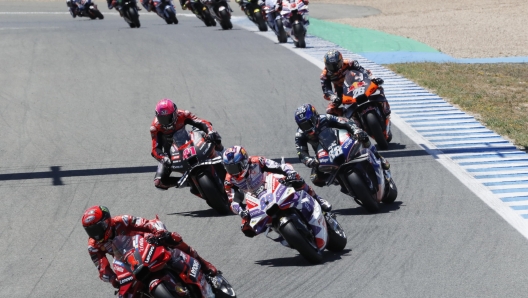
234 168
165 119
333 67
306 125
97 231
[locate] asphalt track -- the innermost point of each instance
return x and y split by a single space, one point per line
77 99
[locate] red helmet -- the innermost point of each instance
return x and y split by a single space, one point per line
96 221
166 112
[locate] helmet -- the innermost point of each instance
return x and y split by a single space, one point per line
333 61
96 221
236 161
166 112
307 118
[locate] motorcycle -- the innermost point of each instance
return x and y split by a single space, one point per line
192 154
274 21
221 11
86 8
129 12
200 9
356 168
294 16
168 10
296 217
363 102
142 271
254 11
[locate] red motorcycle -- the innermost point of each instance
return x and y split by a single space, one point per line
142 271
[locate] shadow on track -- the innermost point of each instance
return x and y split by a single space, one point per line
361 211
200 213
299 261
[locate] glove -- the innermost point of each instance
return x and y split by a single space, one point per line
311 162
293 176
159 238
362 136
247 230
213 136
245 214
377 81
166 161
336 100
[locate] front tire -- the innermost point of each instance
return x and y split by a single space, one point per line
376 131
294 238
362 193
337 240
393 193
160 291
213 197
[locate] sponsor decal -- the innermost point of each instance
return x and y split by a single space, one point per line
149 255
347 143
194 269
118 268
126 280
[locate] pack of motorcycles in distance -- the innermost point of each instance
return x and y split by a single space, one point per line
290 21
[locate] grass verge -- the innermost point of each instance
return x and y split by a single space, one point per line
495 94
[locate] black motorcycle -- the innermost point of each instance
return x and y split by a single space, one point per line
201 10
129 12
86 8
254 10
195 156
222 12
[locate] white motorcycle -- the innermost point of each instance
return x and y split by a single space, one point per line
294 15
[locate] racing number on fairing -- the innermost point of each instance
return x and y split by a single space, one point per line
189 152
358 91
334 152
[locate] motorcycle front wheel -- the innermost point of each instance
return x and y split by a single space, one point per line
337 239
297 241
362 193
214 198
160 291
376 131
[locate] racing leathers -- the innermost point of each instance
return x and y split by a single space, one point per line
337 79
162 140
155 5
302 139
130 225
255 178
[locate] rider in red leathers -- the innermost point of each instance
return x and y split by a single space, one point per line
102 228
168 121
248 174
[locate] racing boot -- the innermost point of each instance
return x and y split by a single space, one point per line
165 183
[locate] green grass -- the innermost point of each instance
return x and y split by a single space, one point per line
495 94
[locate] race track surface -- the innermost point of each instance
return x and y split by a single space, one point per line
77 100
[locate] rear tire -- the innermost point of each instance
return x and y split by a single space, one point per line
393 193
226 20
376 131
336 242
261 23
362 193
299 32
294 238
282 36
170 20
213 197
134 17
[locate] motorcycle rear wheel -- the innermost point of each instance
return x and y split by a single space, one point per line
376 131
299 32
297 241
134 17
213 197
261 23
226 20
362 193
282 36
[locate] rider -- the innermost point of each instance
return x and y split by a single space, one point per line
155 5
335 72
168 121
248 173
74 8
114 3
310 125
102 228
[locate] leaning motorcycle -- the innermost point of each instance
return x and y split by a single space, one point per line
129 12
356 168
294 17
202 166
364 102
296 217
87 9
254 10
142 271
274 21
221 11
168 10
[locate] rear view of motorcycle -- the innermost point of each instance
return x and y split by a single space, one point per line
294 15
200 9
356 168
254 10
222 12
128 10
365 102
274 21
85 8
165 9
